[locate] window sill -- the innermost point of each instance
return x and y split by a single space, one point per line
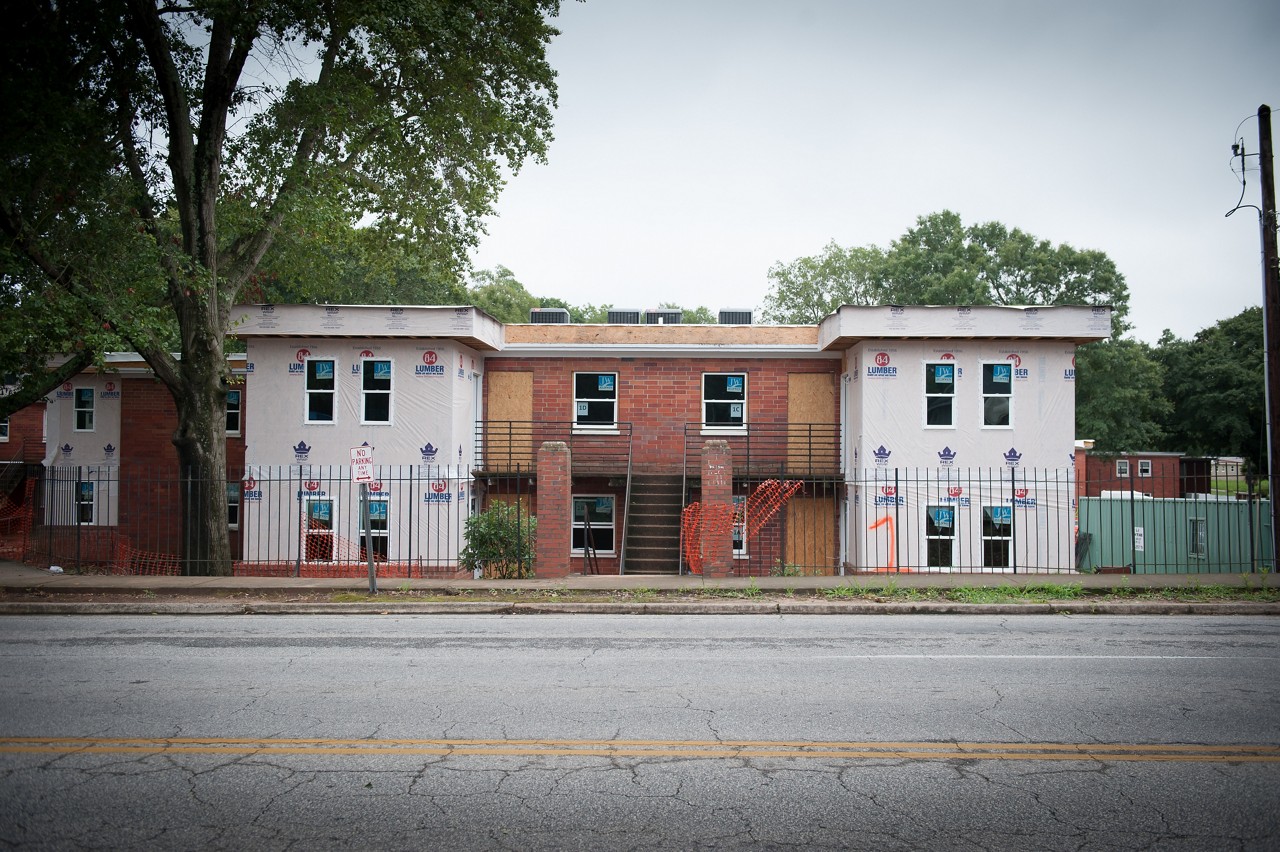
611 429
724 430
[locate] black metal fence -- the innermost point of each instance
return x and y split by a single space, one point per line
282 521
306 520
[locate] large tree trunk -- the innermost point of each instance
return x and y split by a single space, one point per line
202 458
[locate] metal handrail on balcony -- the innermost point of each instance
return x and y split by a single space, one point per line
509 446
770 449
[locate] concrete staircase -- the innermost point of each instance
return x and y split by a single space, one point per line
653 524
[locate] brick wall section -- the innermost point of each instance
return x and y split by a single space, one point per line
555 496
1100 475
151 498
148 418
658 396
26 436
717 491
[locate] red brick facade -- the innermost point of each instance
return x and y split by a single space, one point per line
1098 473
26 436
554 521
659 396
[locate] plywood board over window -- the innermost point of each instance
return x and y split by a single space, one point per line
508 430
811 402
810 534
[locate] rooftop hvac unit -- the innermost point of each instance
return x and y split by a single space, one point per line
624 317
735 316
663 317
548 315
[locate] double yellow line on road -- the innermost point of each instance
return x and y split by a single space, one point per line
683 749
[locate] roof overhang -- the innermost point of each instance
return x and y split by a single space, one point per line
464 323
851 324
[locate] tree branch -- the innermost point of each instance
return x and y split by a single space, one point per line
151 30
247 252
34 387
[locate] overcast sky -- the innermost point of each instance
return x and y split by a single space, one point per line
698 142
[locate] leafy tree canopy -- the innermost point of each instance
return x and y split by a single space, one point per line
1216 386
1120 401
166 150
941 261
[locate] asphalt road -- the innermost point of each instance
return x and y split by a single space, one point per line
615 732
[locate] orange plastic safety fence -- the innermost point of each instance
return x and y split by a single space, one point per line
15 522
716 521
131 560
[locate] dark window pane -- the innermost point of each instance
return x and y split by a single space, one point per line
939 378
377 407
320 407
997 378
726 386
995 411
938 411
319 375
724 413
595 386
376 375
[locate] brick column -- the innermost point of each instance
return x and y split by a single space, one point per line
717 502
555 510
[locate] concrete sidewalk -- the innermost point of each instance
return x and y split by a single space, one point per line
780 595
17 576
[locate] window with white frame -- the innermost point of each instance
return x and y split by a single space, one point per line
740 526
595 400
321 389
1197 539
4 428
940 536
724 400
1144 467
378 529
939 394
997 394
84 503
318 532
233 412
997 535
233 505
1122 468
375 391
84 409
593 523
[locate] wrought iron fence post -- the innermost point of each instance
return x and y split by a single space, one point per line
75 511
302 523
1013 527
1133 523
897 525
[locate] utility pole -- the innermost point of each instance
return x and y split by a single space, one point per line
1271 320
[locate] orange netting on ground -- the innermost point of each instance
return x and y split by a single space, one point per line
718 520
15 522
130 560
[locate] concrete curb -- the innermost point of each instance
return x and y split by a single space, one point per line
786 607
